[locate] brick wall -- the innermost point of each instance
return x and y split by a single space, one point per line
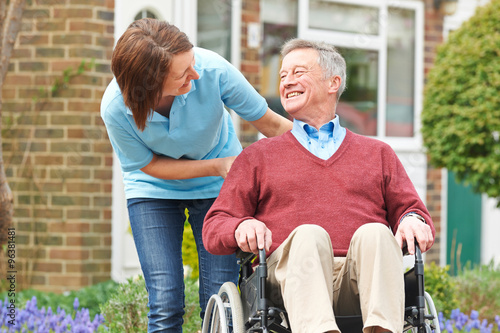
433 34
250 63
56 151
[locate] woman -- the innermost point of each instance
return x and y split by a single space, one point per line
165 117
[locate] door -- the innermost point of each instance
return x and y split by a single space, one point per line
464 226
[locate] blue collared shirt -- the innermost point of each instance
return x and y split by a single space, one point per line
323 143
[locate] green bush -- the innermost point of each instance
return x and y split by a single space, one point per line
189 252
442 288
126 311
479 289
461 111
192 319
88 297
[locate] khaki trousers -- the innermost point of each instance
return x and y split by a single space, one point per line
314 286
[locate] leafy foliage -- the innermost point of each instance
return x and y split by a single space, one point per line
126 310
442 287
461 113
189 251
479 289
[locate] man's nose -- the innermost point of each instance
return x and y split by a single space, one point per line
287 80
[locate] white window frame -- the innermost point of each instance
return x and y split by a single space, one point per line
378 43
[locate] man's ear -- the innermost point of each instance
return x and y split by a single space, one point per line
334 84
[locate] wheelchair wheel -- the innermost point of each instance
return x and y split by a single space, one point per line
430 309
215 318
224 313
233 307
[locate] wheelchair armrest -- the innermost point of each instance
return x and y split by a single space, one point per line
244 257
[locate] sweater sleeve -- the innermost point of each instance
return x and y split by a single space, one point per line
236 203
401 196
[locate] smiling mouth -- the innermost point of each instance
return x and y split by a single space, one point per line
293 94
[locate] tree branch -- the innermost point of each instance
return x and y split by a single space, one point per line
10 28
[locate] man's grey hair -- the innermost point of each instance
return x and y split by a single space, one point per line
330 60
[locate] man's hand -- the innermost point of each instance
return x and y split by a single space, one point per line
411 228
252 236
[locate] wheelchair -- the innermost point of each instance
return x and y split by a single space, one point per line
248 310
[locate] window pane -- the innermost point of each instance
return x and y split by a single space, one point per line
358 104
324 14
277 30
145 14
214 26
400 73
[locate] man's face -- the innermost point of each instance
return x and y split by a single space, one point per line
302 87
178 81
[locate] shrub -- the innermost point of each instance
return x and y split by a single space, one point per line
192 319
126 310
461 111
189 252
479 289
442 288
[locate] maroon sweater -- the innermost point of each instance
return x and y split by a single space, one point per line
277 181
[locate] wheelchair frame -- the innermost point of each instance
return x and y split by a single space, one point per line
229 311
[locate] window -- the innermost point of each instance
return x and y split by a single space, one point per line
145 14
214 26
330 15
382 43
357 107
400 100
277 30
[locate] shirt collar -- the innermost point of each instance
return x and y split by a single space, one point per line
333 127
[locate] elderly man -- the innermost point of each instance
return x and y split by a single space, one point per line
332 208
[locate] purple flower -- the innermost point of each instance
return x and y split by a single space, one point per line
448 326
454 314
32 319
76 304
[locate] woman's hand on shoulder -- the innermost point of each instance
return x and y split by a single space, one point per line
224 164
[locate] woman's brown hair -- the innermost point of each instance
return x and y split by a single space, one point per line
141 62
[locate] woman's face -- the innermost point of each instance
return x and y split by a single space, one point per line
178 81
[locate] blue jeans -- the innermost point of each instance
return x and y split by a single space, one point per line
157 227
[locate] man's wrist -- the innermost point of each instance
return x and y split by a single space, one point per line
421 218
